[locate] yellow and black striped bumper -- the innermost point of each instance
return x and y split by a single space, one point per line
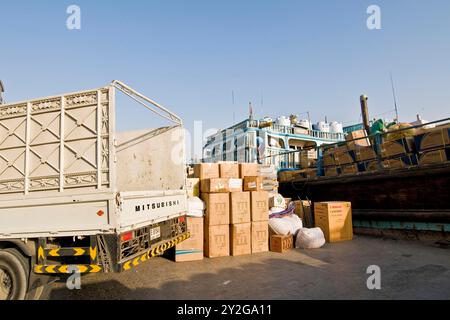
155 251
68 268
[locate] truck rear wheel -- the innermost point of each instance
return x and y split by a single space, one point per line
13 276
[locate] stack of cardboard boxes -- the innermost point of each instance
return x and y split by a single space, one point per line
236 219
268 172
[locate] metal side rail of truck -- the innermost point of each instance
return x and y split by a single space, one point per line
78 196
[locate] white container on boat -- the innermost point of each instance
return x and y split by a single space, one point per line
336 127
323 126
284 121
304 123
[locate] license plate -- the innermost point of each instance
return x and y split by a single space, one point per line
155 233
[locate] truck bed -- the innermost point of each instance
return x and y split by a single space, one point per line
64 170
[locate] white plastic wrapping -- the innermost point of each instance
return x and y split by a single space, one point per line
289 224
309 238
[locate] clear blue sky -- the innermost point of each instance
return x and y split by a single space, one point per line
190 55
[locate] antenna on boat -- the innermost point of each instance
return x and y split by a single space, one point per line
232 101
309 120
393 95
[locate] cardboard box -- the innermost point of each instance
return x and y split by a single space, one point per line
342 158
276 200
219 185
240 207
331 171
335 220
217 208
337 149
253 183
235 185
206 170
193 187
280 243
398 147
260 236
362 141
248 170
404 161
433 138
328 159
434 156
217 241
259 205
365 153
229 170
349 169
241 239
191 249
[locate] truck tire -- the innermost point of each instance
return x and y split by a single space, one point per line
13 275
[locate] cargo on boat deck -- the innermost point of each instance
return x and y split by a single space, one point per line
398 147
434 156
433 138
399 162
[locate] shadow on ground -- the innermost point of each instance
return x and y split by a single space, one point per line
327 273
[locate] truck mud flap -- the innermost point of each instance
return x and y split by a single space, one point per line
156 250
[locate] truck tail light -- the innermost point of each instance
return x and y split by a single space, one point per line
126 236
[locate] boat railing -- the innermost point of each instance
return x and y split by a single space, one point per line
292 159
335 136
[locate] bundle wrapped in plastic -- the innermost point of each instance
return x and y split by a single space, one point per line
309 238
285 225
400 134
195 207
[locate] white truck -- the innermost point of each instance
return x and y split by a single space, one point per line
77 196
